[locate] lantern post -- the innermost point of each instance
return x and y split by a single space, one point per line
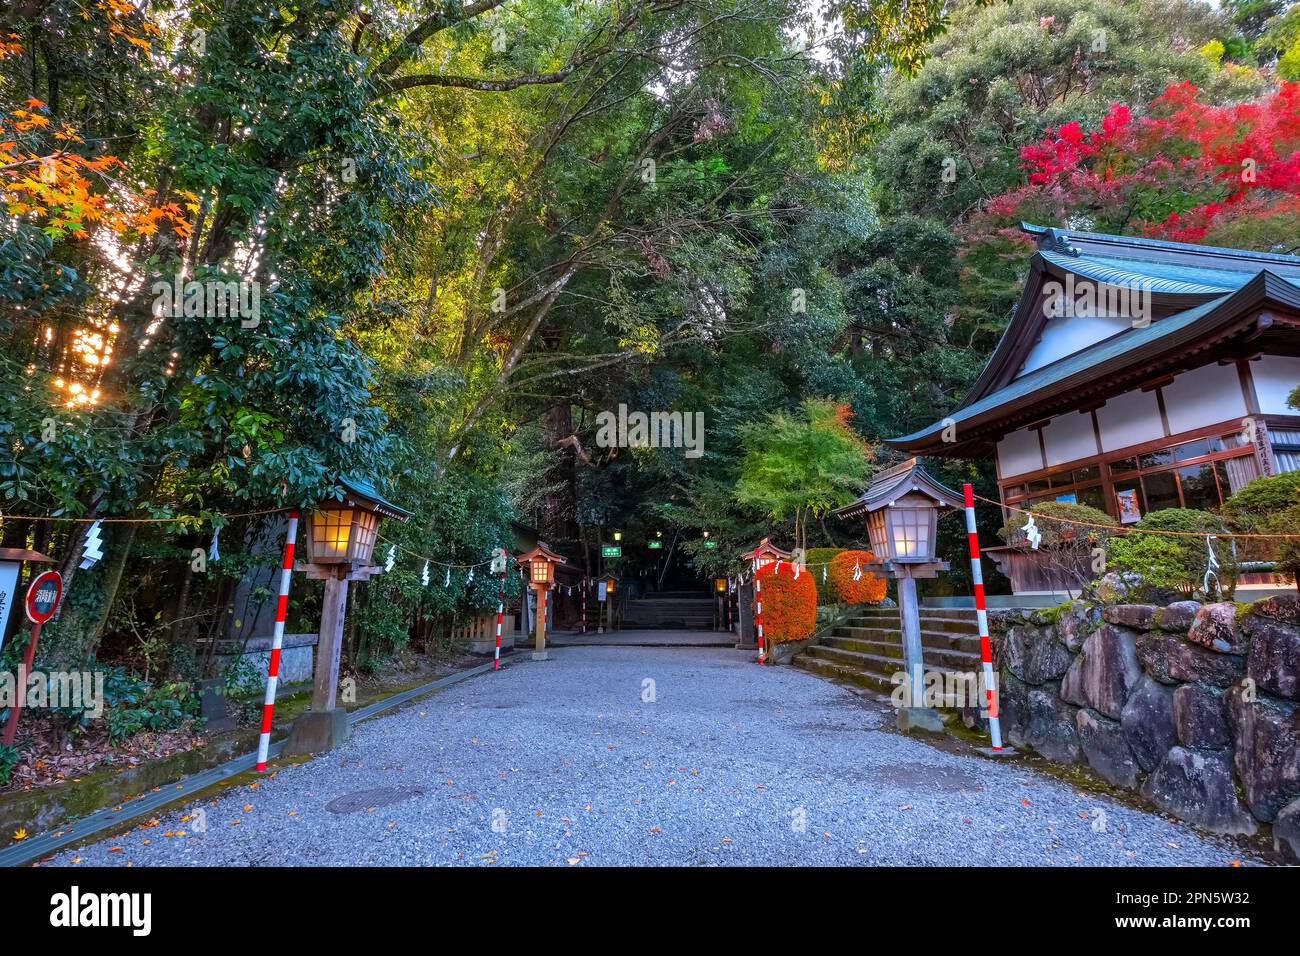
540 564
902 508
609 581
720 602
341 534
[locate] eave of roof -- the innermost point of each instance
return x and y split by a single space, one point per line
915 478
362 488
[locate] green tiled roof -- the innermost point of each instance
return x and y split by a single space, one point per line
365 488
1153 276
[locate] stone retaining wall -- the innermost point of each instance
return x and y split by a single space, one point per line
1195 706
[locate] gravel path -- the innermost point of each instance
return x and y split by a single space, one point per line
563 763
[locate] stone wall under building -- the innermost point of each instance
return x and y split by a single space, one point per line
1197 707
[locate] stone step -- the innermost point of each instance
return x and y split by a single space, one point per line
929 622
871 670
822 667
957 642
939 657
948 613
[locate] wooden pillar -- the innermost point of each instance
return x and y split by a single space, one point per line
539 649
330 644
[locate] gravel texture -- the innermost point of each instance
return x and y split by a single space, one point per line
564 763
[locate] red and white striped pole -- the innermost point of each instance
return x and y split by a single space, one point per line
758 614
277 641
986 649
501 607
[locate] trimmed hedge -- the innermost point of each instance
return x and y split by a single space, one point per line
868 589
789 605
821 556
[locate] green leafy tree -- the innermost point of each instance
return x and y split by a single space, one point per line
802 465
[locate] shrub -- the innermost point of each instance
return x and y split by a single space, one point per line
1178 562
1269 505
868 589
789 604
132 704
245 688
818 559
1068 537
1250 506
8 760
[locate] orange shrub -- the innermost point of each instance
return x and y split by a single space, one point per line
789 606
869 589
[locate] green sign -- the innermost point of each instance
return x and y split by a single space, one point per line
710 543
654 545
611 551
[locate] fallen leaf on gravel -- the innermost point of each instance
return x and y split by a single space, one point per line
538 813
1025 803
114 849
20 834
1172 844
726 839
76 859
573 861
1234 863
293 813
587 807
655 830
235 823
248 806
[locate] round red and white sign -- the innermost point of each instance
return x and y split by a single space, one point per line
43 596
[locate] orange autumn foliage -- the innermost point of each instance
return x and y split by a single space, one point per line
43 178
868 589
789 604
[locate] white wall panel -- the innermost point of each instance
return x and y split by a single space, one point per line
1275 376
1019 453
1069 437
1129 419
1065 335
1203 396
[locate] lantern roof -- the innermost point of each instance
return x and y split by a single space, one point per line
889 486
360 492
766 549
22 554
541 551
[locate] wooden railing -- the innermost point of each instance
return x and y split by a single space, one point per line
481 627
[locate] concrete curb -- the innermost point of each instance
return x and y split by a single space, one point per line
108 818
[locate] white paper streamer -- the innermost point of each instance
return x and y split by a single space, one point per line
93 550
